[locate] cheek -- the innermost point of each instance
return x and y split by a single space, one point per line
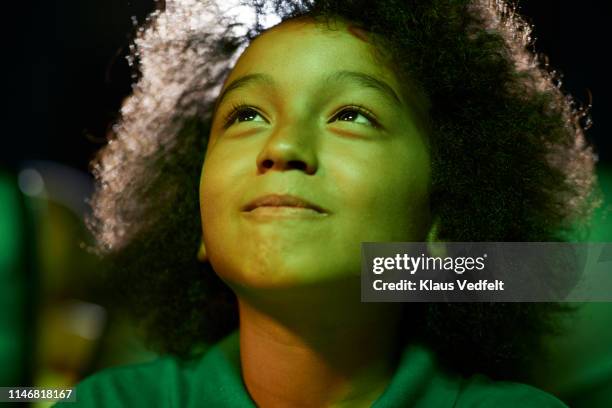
387 193
220 181
408 187
223 185
208 193
215 188
213 193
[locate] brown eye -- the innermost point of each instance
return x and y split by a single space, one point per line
241 114
246 115
356 114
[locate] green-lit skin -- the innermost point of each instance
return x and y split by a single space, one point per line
372 181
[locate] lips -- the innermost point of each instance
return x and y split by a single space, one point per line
282 200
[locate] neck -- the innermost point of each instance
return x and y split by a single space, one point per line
306 353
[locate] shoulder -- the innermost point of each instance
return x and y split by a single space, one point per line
213 376
480 391
139 385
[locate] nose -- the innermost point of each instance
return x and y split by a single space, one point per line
288 149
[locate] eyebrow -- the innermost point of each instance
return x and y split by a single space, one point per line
360 78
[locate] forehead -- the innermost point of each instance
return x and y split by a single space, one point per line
301 51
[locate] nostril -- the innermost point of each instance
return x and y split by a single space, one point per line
289 165
267 164
297 164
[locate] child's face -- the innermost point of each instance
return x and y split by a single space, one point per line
302 136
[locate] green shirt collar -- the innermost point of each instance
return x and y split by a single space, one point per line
416 383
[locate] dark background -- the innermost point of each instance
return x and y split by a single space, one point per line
66 72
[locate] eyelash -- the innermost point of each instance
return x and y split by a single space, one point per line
238 107
232 115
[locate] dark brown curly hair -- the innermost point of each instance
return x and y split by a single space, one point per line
509 162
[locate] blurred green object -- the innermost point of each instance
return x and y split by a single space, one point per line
579 368
17 302
602 220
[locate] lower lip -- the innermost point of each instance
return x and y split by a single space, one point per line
272 212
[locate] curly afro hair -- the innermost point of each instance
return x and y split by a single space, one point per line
509 162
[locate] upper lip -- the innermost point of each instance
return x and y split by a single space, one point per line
281 200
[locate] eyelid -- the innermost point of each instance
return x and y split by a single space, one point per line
361 109
237 107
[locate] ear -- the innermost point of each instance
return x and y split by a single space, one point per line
434 246
202 255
